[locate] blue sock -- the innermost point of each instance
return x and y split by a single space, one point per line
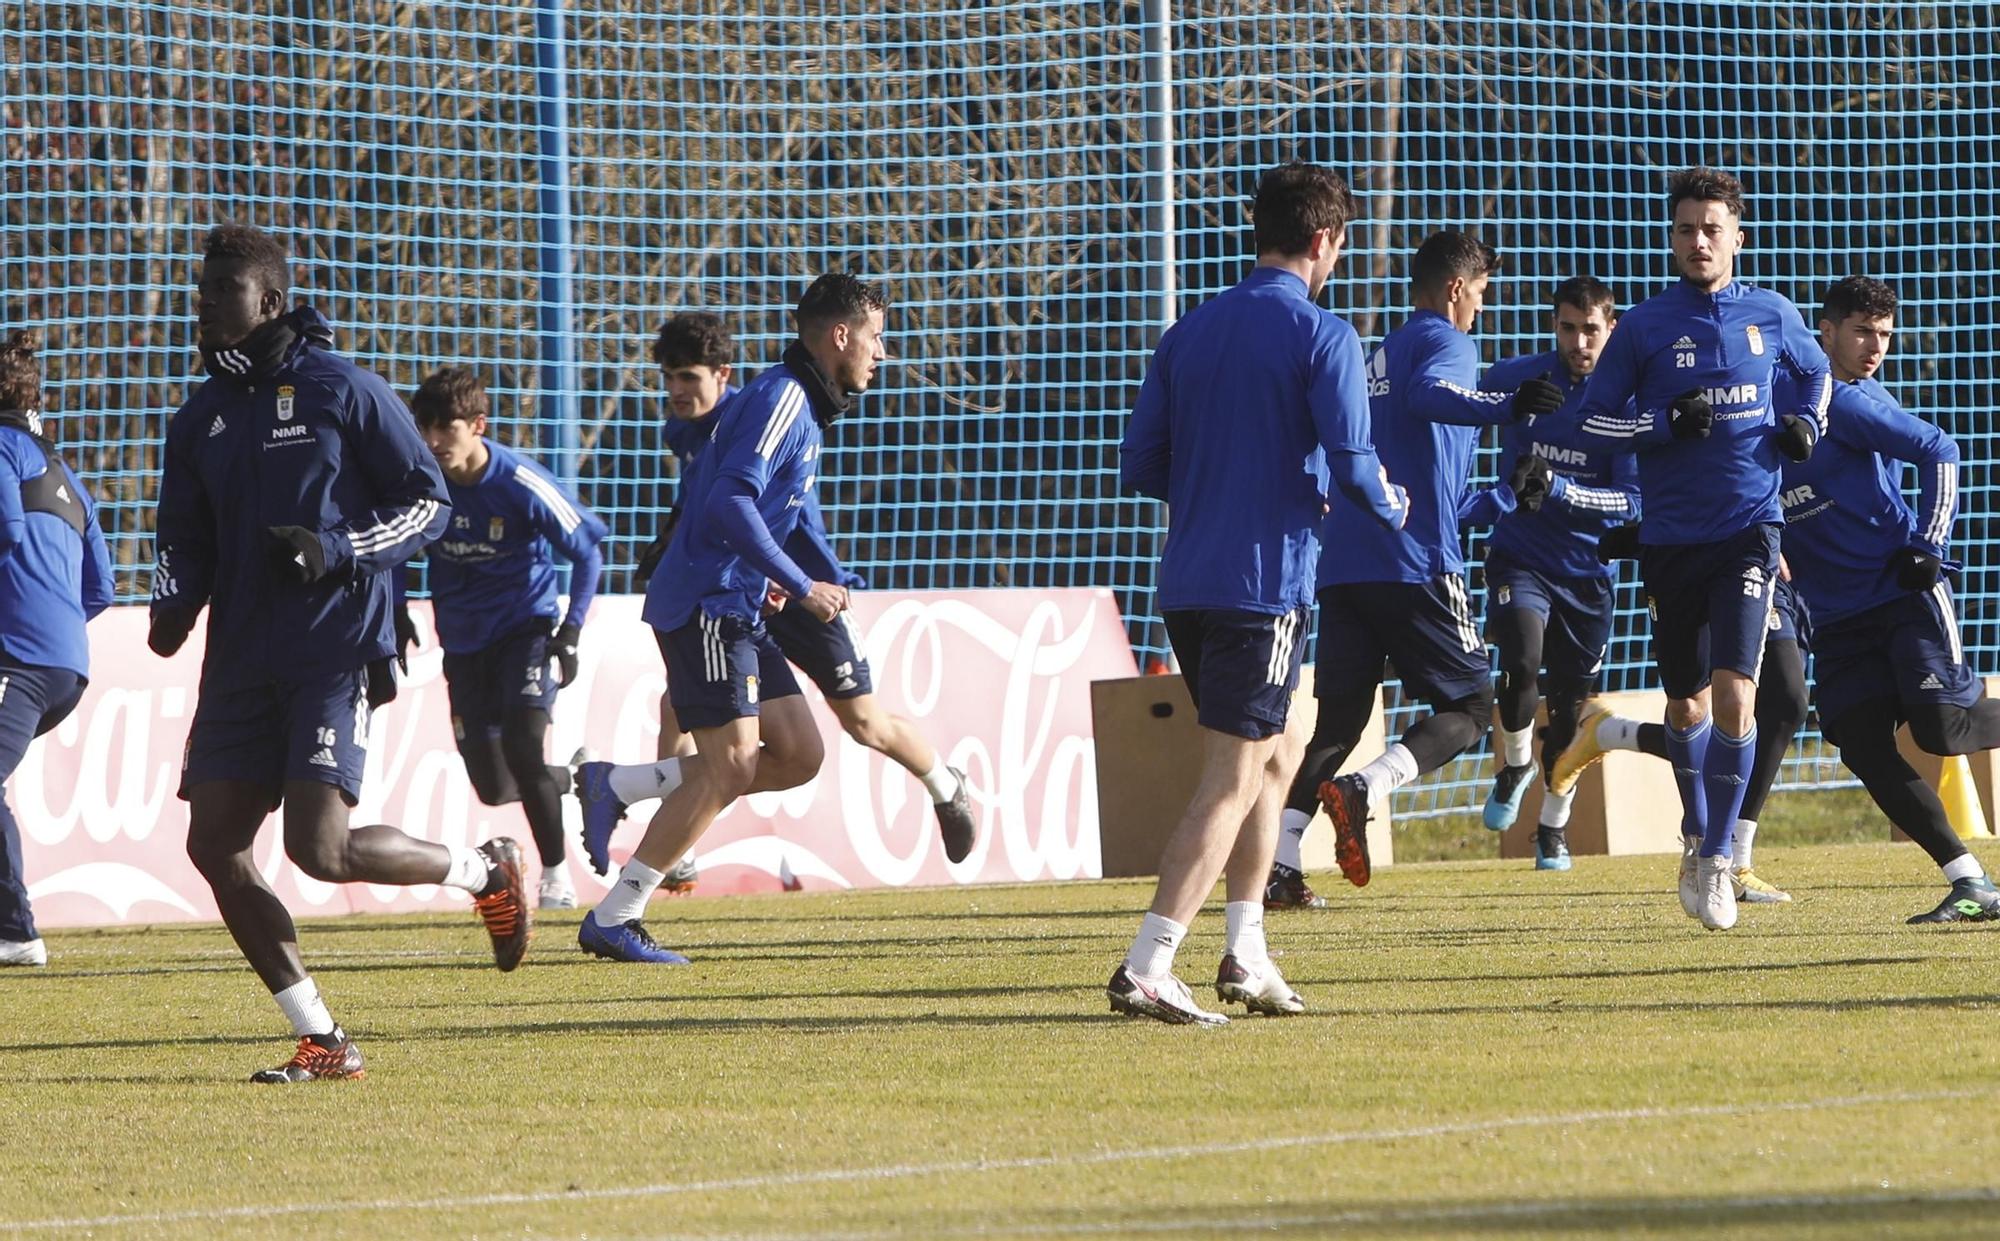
1687 751
1726 773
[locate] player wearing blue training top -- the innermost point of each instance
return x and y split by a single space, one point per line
1687 382
722 569
292 482
494 596
1548 594
55 575
1885 640
1399 595
1253 404
831 654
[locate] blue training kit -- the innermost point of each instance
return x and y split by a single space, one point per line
55 570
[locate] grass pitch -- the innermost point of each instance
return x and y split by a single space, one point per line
1490 1052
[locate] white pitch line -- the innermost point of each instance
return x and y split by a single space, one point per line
892 1172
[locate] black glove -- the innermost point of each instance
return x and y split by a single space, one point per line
1530 481
406 636
1796 437
169 630
1536 397
563 647
1690 416
298 550
1916 569
1618 543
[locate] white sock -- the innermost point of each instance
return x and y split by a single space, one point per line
1615 732
628 896
1517 748
468 870
632 783
1746 831
940 783
1292 825
1246 932
1392 769
301 1005
1153 949
1964 866
1555 808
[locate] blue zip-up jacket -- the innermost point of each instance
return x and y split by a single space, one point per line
1426 407
1253 403
1732 345
495 565
318 443
740 501
1845 516
1592 488
54 577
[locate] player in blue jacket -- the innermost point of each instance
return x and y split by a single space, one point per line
722 569
292 482
1885 640
55 575
1548 594
1252 413
1687 382
1399 594
493 592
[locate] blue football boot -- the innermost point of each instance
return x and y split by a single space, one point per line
626 942
1503 804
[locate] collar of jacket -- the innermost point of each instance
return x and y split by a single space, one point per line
266 350
826 404
29 420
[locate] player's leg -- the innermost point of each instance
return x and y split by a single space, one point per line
1517 616
1246 974
1240 670
1781 709
1677 602
1943 699
475 698
1577 635
524 734
1347 670
675 742
32 701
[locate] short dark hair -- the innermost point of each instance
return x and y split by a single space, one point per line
838 297
1704 184
1586 293
695 338
1448 256
1296 200
453 394
1858 295
258 250
20 374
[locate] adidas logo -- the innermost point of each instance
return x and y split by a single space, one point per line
62 493
1685 342
846 683
215 428
324 758
1930 681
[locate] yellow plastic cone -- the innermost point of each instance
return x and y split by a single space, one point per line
1961 799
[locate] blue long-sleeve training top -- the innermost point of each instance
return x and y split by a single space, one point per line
1845 515
1731 346
55 570
1254 404
495 566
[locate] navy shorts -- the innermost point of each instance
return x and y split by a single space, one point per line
1575 614
719 668
1241 668
1711 606
510 674
1424 629
1906 650
828 652
268 734
1790 621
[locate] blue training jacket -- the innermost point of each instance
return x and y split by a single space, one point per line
494 567
1593 488
319 443
54 577
1845 516
1426 407
1733 346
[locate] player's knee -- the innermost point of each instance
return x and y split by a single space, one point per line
522 749
794 757
321 856
731 769
219 863
869 726
1477 704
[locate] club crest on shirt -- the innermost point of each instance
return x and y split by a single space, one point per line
1504 596
496 529
1756 339
285 395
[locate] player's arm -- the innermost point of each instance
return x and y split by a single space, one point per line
98 583
1801 427
1609 420
1145 457
412 508
750 450
572 530
13 518
1482 506
812 549
1444 387
183 544
1616 504
1338 399
1874 427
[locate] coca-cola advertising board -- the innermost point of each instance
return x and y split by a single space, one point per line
998 680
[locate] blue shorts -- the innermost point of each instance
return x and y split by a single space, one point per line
269 734
1790 621
1424 629
719 668
510 674
1241 668
828 652
1906 650
1575 614
1711 606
